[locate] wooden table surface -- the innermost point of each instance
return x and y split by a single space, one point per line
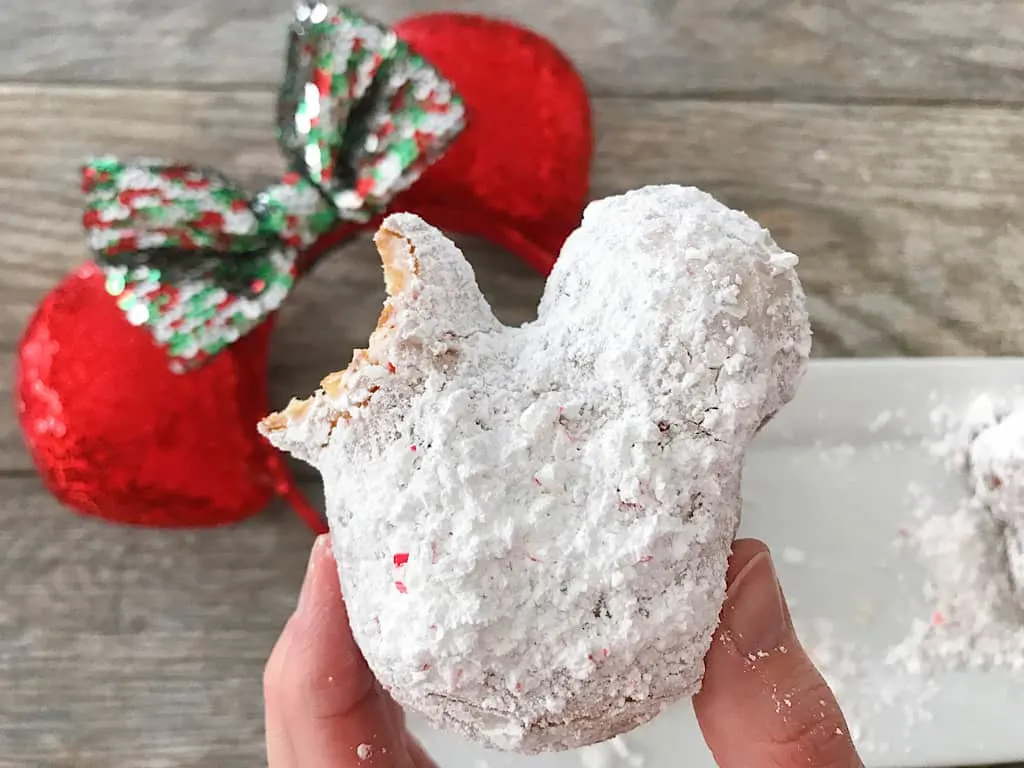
879 139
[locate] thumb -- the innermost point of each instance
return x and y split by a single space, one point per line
763 703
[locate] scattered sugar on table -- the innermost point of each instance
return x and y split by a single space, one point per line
896 691
794 555
974 553
614 753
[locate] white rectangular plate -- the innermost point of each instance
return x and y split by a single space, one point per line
827 485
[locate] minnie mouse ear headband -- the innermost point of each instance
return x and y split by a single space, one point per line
142 375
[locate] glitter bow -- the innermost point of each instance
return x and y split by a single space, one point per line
192 258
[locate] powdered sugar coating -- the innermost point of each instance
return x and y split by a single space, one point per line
996 461
972 554
533 524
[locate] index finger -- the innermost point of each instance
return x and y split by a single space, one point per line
324 708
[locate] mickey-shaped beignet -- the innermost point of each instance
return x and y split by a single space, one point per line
532 524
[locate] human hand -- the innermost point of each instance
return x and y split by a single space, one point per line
763 704
324 708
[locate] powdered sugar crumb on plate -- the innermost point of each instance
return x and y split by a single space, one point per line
794 556
614 753
842 663
881 421
840 453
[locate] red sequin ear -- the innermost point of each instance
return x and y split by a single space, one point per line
519 175
116 434
490 135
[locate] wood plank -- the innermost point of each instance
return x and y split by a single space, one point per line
905 217
137 648
814 49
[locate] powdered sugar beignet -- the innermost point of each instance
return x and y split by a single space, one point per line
532 524
996 460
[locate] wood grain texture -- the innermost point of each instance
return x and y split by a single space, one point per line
905 217
813 49
129 648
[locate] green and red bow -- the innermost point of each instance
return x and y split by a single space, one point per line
196 261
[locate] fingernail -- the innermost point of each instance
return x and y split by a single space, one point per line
754 616
320 546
